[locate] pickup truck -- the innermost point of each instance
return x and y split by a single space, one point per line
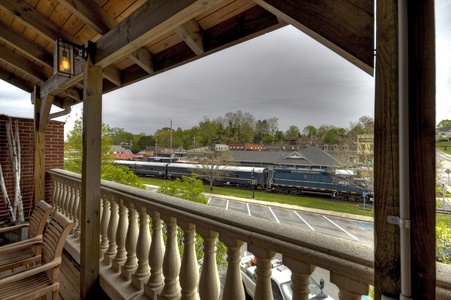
280 280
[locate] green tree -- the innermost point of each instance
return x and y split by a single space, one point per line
73 155
190 188
215 167
309 131
444 123
144 141
119 136
292 133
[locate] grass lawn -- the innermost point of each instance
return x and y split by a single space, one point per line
442 145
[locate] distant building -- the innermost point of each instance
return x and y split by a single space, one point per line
365 148
444 133
246 147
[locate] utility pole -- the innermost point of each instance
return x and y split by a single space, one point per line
170 143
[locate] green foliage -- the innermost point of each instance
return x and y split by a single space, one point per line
444 123
190 188
121 174
292 133
73 154
443 240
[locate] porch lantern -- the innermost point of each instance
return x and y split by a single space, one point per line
64 56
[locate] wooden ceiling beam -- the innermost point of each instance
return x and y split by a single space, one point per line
151 20
113 74
347 29
191 33
19 82
32 50
92 14
23 64
28 16
143 58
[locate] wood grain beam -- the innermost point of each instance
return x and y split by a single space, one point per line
39 151
28 16
113 74
44 113
191 33
32 50
75 94
23 64
151 20
143 58
12 79
92 14
347 27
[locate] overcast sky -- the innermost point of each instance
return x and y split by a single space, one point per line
283 74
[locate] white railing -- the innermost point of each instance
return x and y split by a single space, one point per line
135 262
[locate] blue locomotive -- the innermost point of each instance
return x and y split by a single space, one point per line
320 181
286 180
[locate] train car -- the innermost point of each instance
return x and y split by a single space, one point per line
143 168
318 181
233 175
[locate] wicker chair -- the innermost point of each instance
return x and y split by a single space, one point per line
41 280
36 227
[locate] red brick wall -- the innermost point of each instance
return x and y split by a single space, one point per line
54 158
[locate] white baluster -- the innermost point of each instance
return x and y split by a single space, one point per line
56 192
171 263
70 200
263 289
121 232
142 251
349 288
77 232
155 282
300 277
112 228
189 272
130 244
233 286
104 226
209 284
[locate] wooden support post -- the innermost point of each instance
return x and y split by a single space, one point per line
41 118
421 95
90 188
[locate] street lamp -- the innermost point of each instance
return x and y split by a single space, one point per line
253 184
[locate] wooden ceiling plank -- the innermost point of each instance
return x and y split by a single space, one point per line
17 81
28 16
191 33
90 13
151 20
347 29
20 62
31 49
113 74
143 58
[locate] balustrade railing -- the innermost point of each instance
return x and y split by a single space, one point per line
137 263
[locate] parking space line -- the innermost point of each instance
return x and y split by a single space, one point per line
340 228
248 209
209 199
304 220
366 226
274 215
227 205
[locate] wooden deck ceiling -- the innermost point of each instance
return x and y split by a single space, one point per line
136 39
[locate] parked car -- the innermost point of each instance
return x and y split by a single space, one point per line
280 280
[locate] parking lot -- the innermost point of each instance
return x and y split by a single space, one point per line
355 229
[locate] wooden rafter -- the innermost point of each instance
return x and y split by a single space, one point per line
191 33
22 63
29 48
27 15
93 15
